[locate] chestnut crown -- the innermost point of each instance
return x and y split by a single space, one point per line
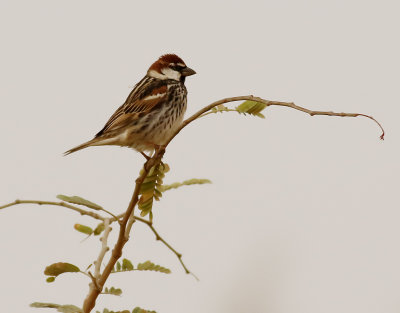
170 66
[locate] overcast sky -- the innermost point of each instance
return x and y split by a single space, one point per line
303 213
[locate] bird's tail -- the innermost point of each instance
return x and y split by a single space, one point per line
82 146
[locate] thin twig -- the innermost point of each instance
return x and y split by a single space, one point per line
108 212
84 273
62 204
221 111
104 248
97 264
269 103
94 281
131 220
158 237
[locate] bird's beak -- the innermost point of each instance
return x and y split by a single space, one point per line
187 71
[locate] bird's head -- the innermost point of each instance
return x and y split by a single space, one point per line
170 66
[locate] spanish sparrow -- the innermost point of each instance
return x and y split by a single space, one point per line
152 112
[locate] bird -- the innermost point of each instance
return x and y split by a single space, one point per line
151 113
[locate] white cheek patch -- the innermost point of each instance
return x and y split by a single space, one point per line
171 74
156 74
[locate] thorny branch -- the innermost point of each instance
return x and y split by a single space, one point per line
128 215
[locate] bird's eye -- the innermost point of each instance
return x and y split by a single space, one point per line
177 67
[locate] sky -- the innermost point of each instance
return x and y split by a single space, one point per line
303 212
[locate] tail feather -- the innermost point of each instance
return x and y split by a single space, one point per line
77 148
93 142
99 141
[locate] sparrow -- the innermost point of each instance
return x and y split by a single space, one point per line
152 112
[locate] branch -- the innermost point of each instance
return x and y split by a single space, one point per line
158 237
62 204
97 264
104 248
270 103
123 236
108 212
90 300
94 281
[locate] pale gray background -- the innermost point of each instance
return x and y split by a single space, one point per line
303 214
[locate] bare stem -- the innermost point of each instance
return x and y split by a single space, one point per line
108 212
62 204
104 248
270 103
158 237
94 281
94 285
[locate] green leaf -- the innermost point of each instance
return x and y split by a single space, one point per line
140 310
99 229
81 201
68 308
60 268
83 229
108 311
193 181
127 265
112 291
50 279
252 107
150 266
44 305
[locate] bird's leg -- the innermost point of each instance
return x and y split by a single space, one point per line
159 147
156 148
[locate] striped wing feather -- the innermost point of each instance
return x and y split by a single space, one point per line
145 97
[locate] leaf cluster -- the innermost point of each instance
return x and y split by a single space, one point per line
67 308
135 310
247 107
252 107
112 291
150 189
193 181
88 230
127 266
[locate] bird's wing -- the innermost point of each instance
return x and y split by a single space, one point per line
142 99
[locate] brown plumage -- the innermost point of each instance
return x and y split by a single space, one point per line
152 111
